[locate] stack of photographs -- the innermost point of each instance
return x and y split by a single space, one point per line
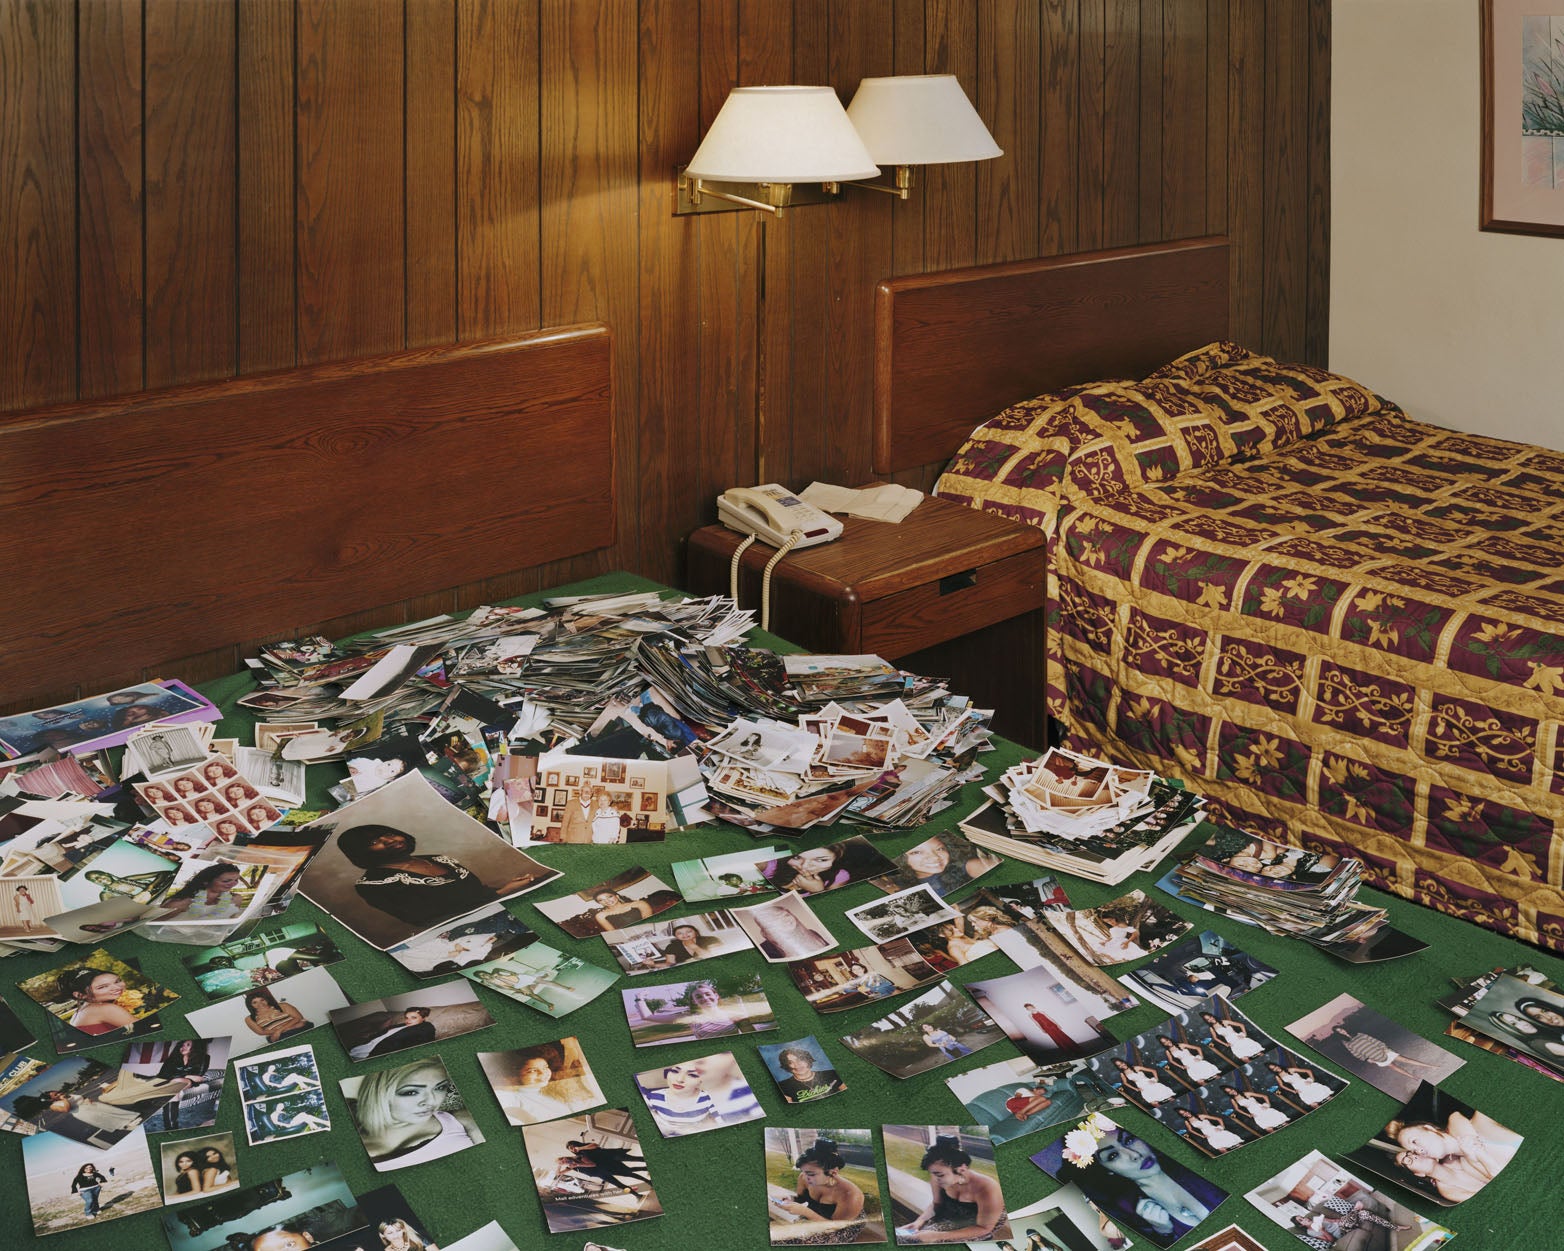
1122 929
1520 1011
1323 1205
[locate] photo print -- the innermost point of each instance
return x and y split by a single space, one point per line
103 720
589 1171
820 869
945 863
84 1100
1527 1018
785 928
1041 1016
389 1224
544 979
939 1027
192 1168
897 915
387 884
70 1186
281 1095
213 896
1373 1047
68 1041
1440 1148
595 801
1258 861
198 1065
260 959
490 1237
268 1015
971 935
849 979
163 752
802 1071
313 1202
542 1081
1190 971
667 943
714 1007
944 1185
24 901
823 1187
1322 1205
1230 1239
488 934
693 1096
1016 1097
1033 943
409 1114
1065 1221
381 1027
1125 928
98 993
728 876
265 775
1145 1194
616 903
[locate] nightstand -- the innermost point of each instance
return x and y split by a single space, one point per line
950 592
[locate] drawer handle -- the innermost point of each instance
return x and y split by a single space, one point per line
958 582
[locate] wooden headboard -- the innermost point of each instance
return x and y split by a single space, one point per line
953 349
155 526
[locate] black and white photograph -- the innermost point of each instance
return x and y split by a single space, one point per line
915 908
164 751
785 928
281 1095
410 1114
939 1027
541 1081
192 1168
616 903
380 1027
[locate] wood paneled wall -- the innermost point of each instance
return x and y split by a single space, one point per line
192 189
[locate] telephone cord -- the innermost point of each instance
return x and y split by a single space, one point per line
733 568
765 577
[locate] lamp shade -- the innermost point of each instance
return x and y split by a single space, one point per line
919 119
781 135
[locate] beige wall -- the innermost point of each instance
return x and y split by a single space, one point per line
1463 328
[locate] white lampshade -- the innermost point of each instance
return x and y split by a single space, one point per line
781 135
919 119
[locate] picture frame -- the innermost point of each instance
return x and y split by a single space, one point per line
1522 121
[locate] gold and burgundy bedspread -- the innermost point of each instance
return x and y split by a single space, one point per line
1342 626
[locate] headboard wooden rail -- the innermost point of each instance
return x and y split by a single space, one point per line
955 348
142 529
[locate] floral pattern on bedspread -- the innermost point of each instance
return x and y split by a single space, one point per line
1344 627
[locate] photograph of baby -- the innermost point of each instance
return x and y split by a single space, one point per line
387 884
1183 975
194 1167
281 1095
589 1171
823 1187
381 1027
313 1203
199 1063
944 863
785 929
616 903
1016 1097
271 1014
683 940
1322 1205
544 978
487 934
944 1185
897 915
1041 1016
821 869
1373 1047
1125 928
728 876
1443 1149
694 1096
70 1186
98 993
938 1027
260 959
409 1114
850 979
542 1081
1064 1221
1145 1194
801 1070
715 1007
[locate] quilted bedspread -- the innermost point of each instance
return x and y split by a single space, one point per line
1342 626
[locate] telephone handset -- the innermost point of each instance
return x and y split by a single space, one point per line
774 514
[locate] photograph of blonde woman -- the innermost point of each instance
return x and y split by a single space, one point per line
410 1114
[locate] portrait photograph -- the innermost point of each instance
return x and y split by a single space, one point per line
382 1027
1189 971
1374 1048
785 928
725 1006
668 943
544 979
98 993
386 883
105 720
802 1070
1042 1017
409 1114
388 1224
945 863
849 979
896 915
24 902
618 902
589 1171
541 1081
193 1167
727 876
816 870
487 934
1015 1097
1320 1203
927 1165
268 1015
695 1096
1122 929
197 1065
823 1187
70 1186
939 1027
1066 1221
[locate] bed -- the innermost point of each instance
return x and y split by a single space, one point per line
1344 627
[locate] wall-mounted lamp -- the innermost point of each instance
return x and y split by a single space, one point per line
772 147
918 119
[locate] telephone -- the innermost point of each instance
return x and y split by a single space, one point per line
775 515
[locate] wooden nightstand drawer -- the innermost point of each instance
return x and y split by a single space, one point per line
950 607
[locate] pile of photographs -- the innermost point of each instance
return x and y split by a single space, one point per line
1517 1013
1084 816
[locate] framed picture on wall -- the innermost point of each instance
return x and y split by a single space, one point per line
1523 117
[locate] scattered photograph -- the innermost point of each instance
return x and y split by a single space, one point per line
488 934
590 1172
785 928
544 978
666 943
268 1015
1035 944
105 720
281 1095
1528 1018
98 993
541 1082
939 1027
260 959
1183 975
616 903
1065 1221
382 1027
728 876
1125 928
828 868
389 1224
490 1237
1148 1195
863 975
24 901
897 915
1230 1239
823 1187
801 1070
1373 1047
715 1007
386 884
944 863
84 1100
212 896
70 1186
595 802
314 1203
944 1185
162 752
409 1114
1439 1147
200 1064
693 1096
194 1167
1322 1205
1041 1016
1016 1097
962 939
